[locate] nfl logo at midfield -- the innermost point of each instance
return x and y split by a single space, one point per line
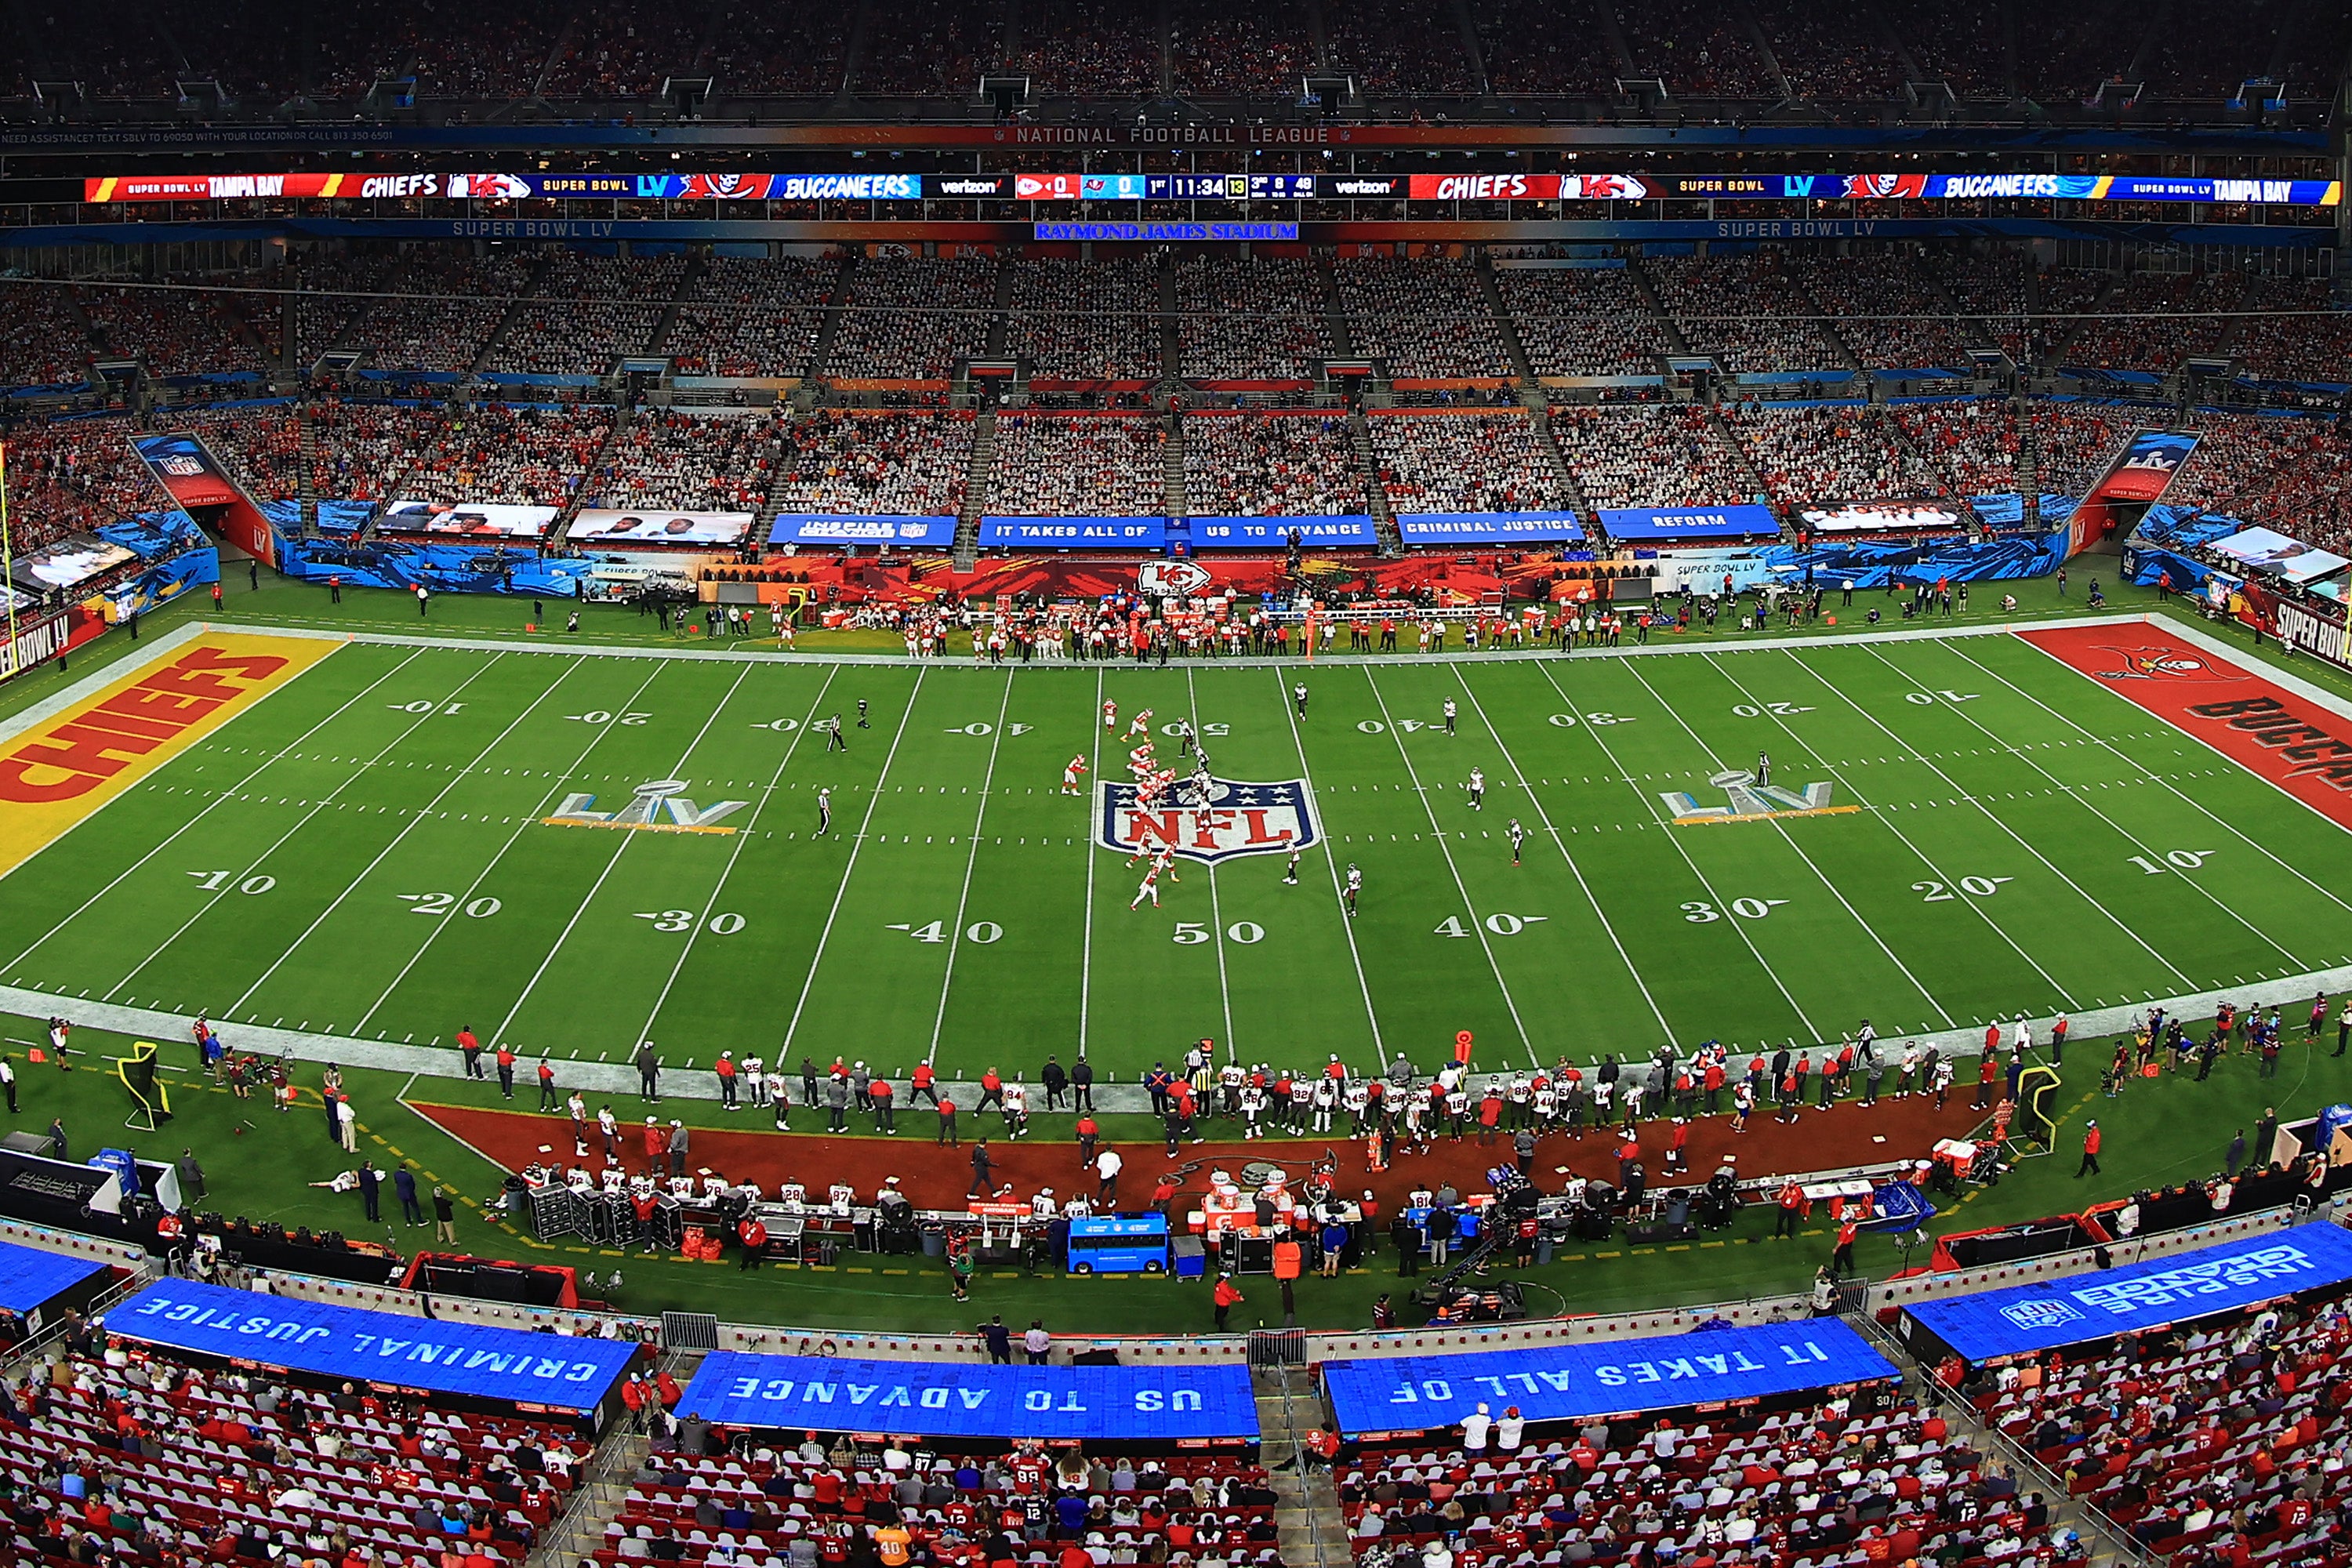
1241 817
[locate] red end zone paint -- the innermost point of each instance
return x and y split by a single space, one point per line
2301 747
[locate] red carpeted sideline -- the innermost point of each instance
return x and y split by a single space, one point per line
935 1176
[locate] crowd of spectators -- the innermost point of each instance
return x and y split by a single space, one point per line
1991 291
1087 320
1747 311
130 1458
2071 446
1816 452
42 339
1649 455
524 453
182 331
1970 444
623 49
797 49
1543 46
895 462
1260 319
750 318
1049 465
1695 47
73 474
334 294
2207 47
2064 52
1869 1477
1278 465
1237 47
2225 1443
1464 462
911 318
1425 316
1960 49
2156 320
774 1506
260 443
361 450
1397 46
2065 297
1888 308
1088 48
2293 331
927 45
1833 48
1581 320
586 312
668 458
443 309
2294 474
495 52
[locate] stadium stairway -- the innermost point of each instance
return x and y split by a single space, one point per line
597 1500
1746 18
1311 1532
560 530
1172 457
1491 292
514 311
2055 356
975 490
1368 465
1612 32
310 491
828 329
1539 415
686 278
1648 291
1470 50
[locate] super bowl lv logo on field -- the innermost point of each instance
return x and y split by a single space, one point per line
1748 801
1234 817
659 806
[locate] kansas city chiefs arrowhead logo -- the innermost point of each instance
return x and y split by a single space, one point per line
1238 817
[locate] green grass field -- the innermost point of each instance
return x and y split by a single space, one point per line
366 855
345 800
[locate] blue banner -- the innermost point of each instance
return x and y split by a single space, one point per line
551 1370
1343 533
1487 527
1611 1377
1690 522
30 1278
153 535
386 563
817 528
958 1399
162 582
2051 1313
1162 233
1073 532
1873 563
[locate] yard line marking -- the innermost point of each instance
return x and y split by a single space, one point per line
1086 949
1790 839
557 780
1216 910
2085 801
1468 904
217 799
414 723
1706 885
1888 822
1331 864
416 817
718 888
1561 845
498 1035
856 845
963 899
2154 777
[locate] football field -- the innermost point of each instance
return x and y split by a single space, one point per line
572 851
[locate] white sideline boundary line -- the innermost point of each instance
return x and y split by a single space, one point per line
1798 850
